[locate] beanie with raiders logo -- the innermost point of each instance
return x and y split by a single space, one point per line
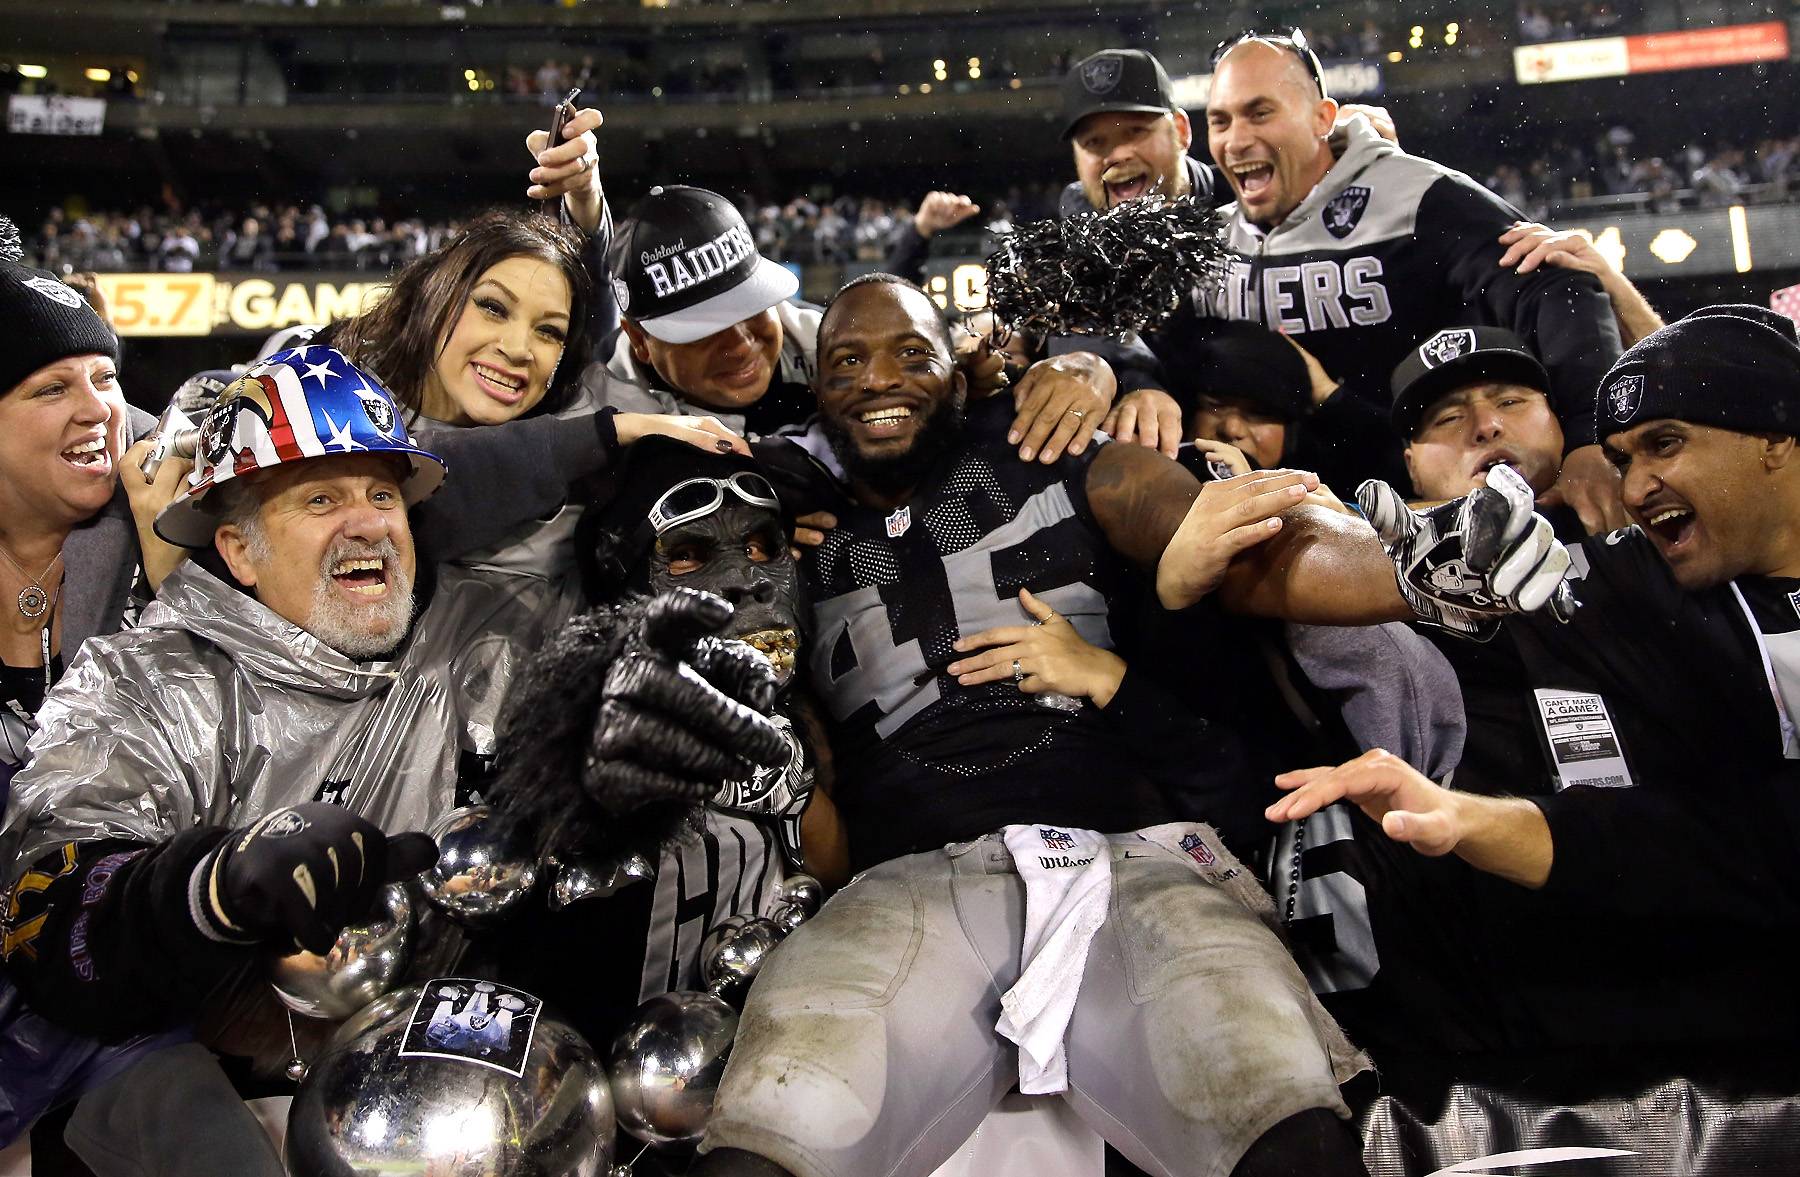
45 319
1730 366
1455 358
684 266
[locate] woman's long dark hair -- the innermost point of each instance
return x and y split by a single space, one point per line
399 338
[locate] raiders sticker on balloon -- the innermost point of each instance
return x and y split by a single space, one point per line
474 1021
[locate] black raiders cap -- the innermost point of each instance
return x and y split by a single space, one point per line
1115 80
1457 356
684 266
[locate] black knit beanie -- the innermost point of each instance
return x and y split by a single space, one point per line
1731 366
42 319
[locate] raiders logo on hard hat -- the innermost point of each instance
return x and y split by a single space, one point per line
218 431
1623 395
1100 74
1446 346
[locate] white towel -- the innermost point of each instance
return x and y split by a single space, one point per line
1068 885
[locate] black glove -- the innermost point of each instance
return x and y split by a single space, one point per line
300 875
1464 564
681 712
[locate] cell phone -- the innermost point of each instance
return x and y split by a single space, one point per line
559 115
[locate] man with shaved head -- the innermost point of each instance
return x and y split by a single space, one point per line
1129 138
1360 252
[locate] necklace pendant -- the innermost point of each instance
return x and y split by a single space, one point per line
33 601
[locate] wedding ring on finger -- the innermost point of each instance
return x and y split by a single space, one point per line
1018 673
1077 414
589 160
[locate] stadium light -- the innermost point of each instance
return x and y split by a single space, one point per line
1395 55
1417 34
96 74
32 71
924 87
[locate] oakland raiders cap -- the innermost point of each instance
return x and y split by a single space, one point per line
1112 81
1457 356
684 266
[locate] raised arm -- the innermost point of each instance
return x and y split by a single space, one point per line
1269 552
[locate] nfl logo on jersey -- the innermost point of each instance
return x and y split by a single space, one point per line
1196 849
898 522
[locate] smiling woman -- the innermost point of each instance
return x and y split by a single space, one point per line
490 328
63 424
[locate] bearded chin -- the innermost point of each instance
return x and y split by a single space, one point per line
896 473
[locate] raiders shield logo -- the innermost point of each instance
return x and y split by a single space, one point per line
1623 395
1102 73
1446 346
621 295
55 291
1343 211
379 413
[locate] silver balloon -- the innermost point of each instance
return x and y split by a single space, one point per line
485 867
730 968
803 891
722 931
666 1066
786 917
362 965
365 1110
574 879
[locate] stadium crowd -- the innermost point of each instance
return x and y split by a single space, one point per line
1315 620
836 229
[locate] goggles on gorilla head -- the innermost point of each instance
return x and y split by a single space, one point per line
696 498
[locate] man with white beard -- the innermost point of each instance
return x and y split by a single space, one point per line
240 773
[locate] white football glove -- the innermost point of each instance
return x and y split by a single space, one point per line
1464 564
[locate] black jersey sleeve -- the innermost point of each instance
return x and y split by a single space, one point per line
1563 315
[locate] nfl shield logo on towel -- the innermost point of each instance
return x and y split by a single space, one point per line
1343 211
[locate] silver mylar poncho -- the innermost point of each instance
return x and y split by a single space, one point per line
217 710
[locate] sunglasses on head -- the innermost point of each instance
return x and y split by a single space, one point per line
695 498
1293 40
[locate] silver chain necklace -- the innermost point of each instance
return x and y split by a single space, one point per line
33 599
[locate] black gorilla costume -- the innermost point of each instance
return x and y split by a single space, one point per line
659 827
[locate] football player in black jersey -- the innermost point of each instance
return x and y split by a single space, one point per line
1651 839
869 1041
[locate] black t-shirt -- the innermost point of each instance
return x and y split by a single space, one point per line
1655 927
